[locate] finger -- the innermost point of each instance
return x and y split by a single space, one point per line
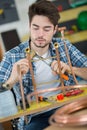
57 70
22 61
24 68
63 67
54 73
63 70
53 63
55 67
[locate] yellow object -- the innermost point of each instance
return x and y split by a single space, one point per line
74 28
1 11
77 37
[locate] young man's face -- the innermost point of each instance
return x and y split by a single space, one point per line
42 31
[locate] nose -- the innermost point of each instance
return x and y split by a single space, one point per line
40 32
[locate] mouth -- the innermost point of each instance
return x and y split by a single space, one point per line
40 40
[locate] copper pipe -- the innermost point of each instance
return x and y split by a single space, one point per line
52 89
58 59
70 63
59 65
22 90
29 57
63 76
21 87
64 116
61 28
66 50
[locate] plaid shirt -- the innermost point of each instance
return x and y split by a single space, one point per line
77 59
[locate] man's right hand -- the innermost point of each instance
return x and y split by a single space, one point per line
14 77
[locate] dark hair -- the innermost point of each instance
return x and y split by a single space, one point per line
45 8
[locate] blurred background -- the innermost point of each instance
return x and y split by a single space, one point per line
14 26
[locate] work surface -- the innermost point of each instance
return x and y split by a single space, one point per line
44 106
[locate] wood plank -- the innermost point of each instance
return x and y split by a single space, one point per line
71 13
43 106
77 37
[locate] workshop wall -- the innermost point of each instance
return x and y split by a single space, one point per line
15 29
74 16
13 22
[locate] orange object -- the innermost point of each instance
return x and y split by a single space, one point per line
60 96
45 99
40 98
60 8
65 77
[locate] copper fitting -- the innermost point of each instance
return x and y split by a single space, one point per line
56 45
31 52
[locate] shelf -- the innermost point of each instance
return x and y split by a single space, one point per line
77 37
71 13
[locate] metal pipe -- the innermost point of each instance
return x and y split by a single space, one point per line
52 89
59 65
29 56
66 50
22 90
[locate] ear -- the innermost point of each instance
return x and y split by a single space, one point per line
55 29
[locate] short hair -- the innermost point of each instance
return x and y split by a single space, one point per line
45 8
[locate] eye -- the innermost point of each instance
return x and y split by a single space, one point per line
47 29
35 28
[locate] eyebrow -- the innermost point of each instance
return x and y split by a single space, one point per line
44 26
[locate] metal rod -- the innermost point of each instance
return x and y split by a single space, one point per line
70 63
22 91
59 65
29 57
66 50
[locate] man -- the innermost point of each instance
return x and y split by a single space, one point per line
43 18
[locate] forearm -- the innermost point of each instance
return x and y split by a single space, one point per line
81 72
